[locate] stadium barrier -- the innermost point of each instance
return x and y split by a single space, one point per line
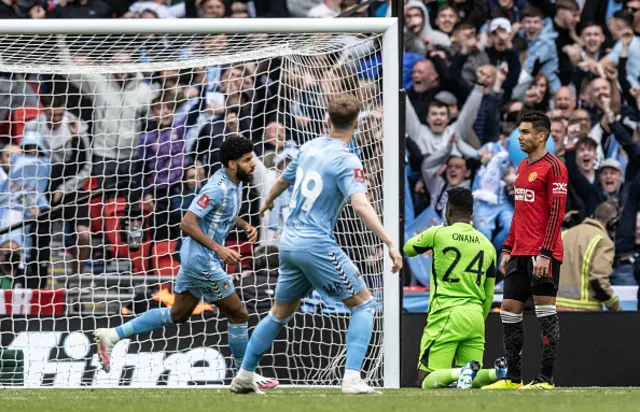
32 302
58 352
596 349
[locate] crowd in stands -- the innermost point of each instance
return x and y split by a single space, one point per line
477 65
470 68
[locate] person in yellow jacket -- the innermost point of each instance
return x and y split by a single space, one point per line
588 263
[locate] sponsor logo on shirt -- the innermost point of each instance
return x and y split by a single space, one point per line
559 189
526 195
532 176
358 175
203 201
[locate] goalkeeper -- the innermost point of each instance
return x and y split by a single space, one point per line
463 277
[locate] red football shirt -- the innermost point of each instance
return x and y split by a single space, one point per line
540 201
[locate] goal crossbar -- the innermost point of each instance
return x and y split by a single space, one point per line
197 26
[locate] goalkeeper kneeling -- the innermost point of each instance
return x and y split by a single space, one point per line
463 277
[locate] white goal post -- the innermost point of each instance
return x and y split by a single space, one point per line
36 48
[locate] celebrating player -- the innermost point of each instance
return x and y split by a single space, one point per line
533 252
325 172
462 283
207 224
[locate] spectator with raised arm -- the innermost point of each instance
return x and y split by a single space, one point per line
437 131
625 21
418 31
606 97
626 89
585 53
503 55
470 55
444 170
535 93
486 125
625 263
117 99
565 15
541 46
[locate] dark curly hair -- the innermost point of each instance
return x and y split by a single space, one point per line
233 148
460 201
538 120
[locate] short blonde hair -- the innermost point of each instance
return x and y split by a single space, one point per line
343 111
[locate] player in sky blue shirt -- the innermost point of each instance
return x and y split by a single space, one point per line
217 207
324 174
207 224
331 174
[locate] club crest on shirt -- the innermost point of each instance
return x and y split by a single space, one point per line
532 177
227 285
358 175
203 201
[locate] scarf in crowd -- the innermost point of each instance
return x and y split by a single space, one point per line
488 185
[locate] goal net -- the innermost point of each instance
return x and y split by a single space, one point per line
107 138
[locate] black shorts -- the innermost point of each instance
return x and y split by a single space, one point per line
520 284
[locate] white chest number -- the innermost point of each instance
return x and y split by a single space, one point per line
310 186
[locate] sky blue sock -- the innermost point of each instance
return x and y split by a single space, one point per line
261 340
359 333
148 321
238 337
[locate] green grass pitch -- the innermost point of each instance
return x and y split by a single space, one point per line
310 400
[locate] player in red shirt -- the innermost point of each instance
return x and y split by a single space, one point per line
533 252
